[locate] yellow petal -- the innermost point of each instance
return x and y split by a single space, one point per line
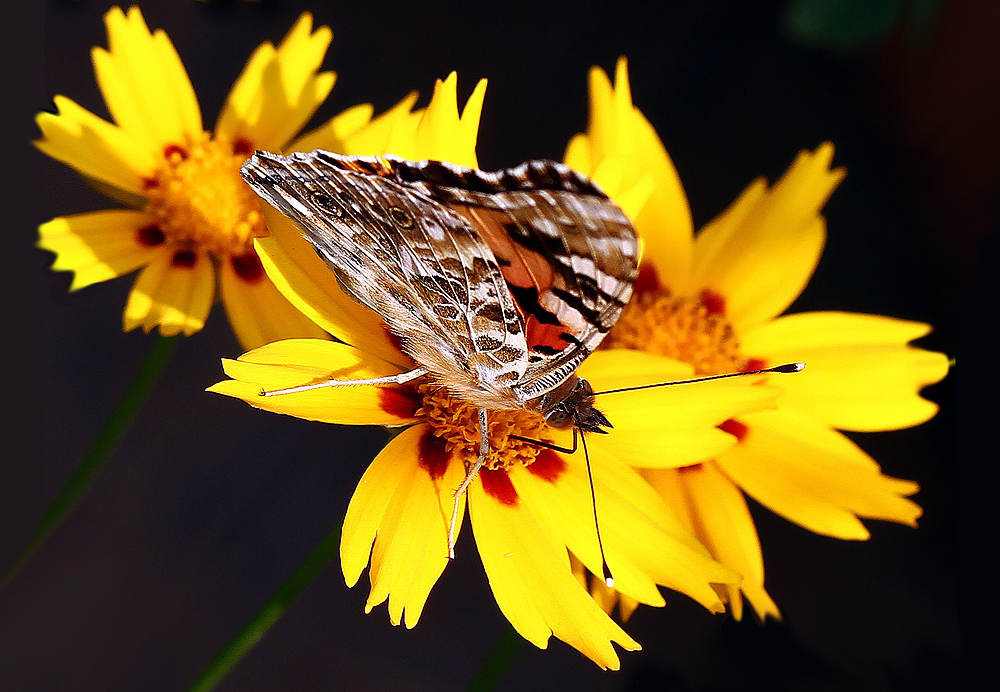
442 133
175 296
760 253
295 362
860 374
624 155
375 137
96 148
144 83
280 88
331 135
258 313
644 543
97 246
242 109
814 476
665 426
530 575
715 509
309 285
579 155
405 512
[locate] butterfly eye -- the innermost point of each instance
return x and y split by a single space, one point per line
401 217
326 202
559 418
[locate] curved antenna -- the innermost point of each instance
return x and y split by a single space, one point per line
608 579
786 368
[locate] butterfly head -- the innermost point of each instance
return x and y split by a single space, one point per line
572 404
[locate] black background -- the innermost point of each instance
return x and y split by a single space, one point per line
206 506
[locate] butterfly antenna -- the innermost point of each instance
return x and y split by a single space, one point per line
786 368
608 579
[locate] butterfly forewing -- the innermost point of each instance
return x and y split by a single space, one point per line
420 266
499 284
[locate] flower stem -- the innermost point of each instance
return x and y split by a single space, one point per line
261 623
496 664
99 450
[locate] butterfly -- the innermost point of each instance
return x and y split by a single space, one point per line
497 284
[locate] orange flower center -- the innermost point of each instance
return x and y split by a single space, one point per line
692 329
200 199
457 424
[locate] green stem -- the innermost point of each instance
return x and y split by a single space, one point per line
497 663
99 450
261 623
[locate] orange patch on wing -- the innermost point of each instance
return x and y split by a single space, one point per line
522 269
520 266
545 335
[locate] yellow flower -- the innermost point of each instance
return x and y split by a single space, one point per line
192 219
530 507
713 300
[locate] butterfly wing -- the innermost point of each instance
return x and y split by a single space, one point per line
499 283
408 257
569 254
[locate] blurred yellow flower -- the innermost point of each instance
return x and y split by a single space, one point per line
714 300
192 219
530 507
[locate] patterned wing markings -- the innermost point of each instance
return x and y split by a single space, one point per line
419 265
569 255
569 284
498 283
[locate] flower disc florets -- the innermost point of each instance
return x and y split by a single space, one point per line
692 329
201 200
457 423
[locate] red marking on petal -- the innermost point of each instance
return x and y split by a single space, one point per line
648 280
714 302
498 486
171 149
149 182
242 146
399 401
184 259
432 455
548 466
753 364
734 428
248 267
689 469
150 236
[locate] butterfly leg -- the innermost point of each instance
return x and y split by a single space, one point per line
401 378
484 449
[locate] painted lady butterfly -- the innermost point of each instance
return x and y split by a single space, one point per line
498 284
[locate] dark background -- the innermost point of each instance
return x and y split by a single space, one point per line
206 506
